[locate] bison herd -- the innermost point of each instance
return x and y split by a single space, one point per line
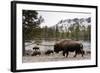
64 46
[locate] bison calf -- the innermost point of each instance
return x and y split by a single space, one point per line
48 52
35 48
35 53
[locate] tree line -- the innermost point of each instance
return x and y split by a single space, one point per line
33 31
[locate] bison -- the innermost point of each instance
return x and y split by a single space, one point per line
69 46
48 52
35 53
35 48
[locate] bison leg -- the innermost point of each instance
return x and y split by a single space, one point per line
75 53
82 52
67 54
63 53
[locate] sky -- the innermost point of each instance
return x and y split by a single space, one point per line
51 18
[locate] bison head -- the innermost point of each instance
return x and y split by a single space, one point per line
57 48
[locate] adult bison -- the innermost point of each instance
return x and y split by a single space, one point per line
69 46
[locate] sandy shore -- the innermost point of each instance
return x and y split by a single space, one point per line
54 57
